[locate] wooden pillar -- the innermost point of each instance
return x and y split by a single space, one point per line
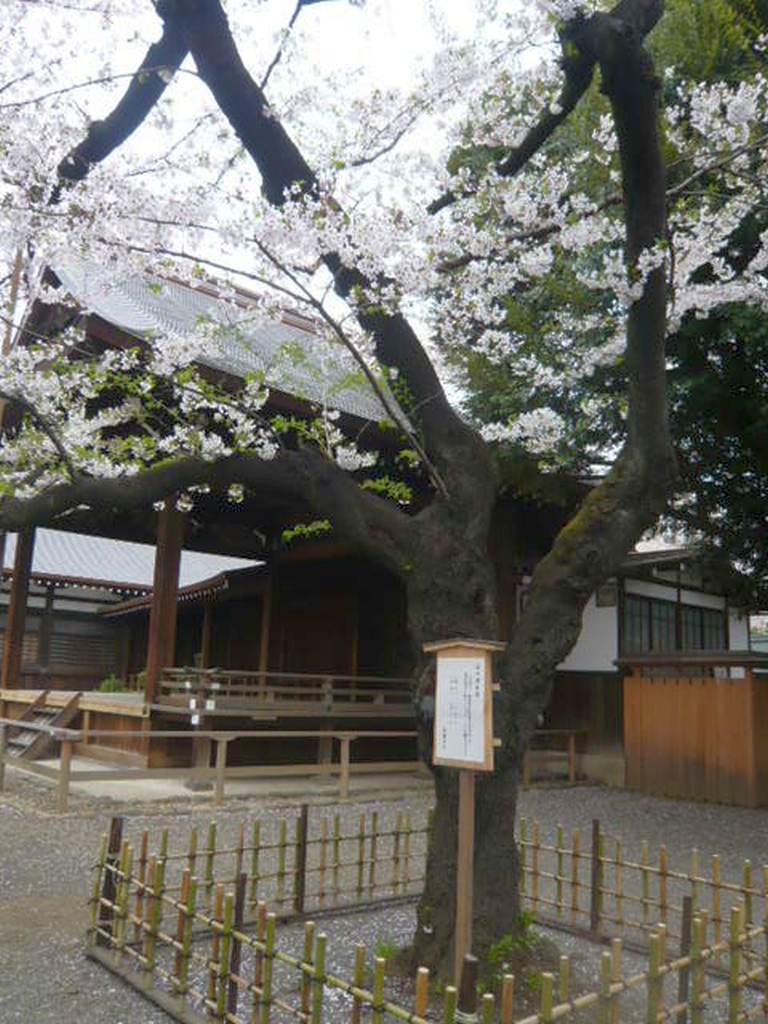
266 626
205 640
17 609
161 647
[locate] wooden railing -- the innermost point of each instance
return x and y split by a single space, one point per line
63 774
221 692
566 753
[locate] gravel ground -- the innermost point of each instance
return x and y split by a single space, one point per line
46 861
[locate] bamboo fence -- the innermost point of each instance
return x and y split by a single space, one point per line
196 930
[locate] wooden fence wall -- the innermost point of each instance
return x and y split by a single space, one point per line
697 738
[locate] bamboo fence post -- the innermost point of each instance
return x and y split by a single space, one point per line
281 848
378 990
192 851
300 860
182 976
181 919
559 872
595 879
535 867
407 852
748 919
563 979
360 857
449 1005
717 918
507 998
646 883
694 880
357 1003
163 853
318 980
110 879
372 852
575 877
734 968
547 989
653 980
222 967
323 860
261 933
467 1004
523 865
663 883
239 852
307 963
157 915
421 1002
147 920
684 975
615 977
619 888
605 988
396 854
487 1008
121 899
269 960
255 850
95 907
697 972
213 962
336 857
140 892
210 855
237 946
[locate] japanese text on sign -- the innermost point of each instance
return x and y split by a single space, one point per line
460 710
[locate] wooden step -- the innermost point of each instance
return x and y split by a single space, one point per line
58 717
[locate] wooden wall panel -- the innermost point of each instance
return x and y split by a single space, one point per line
698 739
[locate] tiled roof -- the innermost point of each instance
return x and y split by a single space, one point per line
293 358
115 564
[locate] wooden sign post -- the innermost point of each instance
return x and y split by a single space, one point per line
463 739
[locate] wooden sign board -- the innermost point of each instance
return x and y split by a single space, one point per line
463 736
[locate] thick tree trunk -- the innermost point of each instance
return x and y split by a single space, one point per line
496 870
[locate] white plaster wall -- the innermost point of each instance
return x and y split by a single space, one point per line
664 593
738 631
596 648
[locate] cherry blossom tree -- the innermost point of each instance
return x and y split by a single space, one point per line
337 197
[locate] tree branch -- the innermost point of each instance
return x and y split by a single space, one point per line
282 167
146 87
14 398
371 524
578 67
614 515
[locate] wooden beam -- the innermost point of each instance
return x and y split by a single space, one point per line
161 646
17 609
